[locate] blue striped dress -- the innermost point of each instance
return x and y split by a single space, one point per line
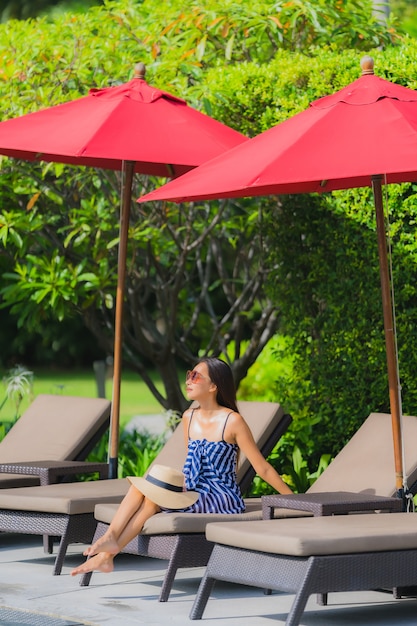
210 469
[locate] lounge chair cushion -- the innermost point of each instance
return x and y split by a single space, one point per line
366 463
53 428
65 498
339 534
173 522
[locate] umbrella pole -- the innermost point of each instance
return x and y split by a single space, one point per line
126 198
392 359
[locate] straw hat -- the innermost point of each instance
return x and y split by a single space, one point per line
164 486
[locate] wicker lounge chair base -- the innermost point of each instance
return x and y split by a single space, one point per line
178 538
65 511
186 550
57 507
285 556
68 528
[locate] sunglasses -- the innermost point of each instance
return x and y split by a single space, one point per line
194 376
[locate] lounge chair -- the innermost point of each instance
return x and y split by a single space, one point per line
53 428
323 554
366 463
179 537
67 510
312 555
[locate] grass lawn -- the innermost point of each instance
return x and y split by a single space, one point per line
135 397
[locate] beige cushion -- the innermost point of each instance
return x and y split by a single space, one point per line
366 463
263 418
53 428
173 452
67 498
169 523
339 534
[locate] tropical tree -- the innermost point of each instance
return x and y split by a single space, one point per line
195 281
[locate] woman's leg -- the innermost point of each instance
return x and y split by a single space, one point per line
104 555
136 522
130 505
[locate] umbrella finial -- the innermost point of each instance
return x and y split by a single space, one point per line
140 70
367 65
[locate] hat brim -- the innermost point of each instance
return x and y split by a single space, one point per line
163 497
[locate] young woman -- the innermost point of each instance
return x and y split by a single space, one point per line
214 432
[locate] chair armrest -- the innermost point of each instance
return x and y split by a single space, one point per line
50 471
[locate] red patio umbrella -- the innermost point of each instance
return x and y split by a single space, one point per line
133 128
365 134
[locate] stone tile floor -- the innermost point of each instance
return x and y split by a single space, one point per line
30 595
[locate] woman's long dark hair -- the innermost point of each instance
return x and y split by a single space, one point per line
221 375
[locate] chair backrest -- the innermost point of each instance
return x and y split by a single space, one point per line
267 422
366 463
55 427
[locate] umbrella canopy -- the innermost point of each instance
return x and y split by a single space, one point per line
362 135
133 128
136 122
339 142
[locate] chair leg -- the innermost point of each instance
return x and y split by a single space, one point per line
48 544
168 581
85 579
298 606
49 541
62 550
201 599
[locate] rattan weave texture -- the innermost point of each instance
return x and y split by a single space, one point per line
305 576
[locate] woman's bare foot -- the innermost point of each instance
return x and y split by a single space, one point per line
106 543
101 562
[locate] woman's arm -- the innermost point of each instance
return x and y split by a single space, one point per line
244 439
